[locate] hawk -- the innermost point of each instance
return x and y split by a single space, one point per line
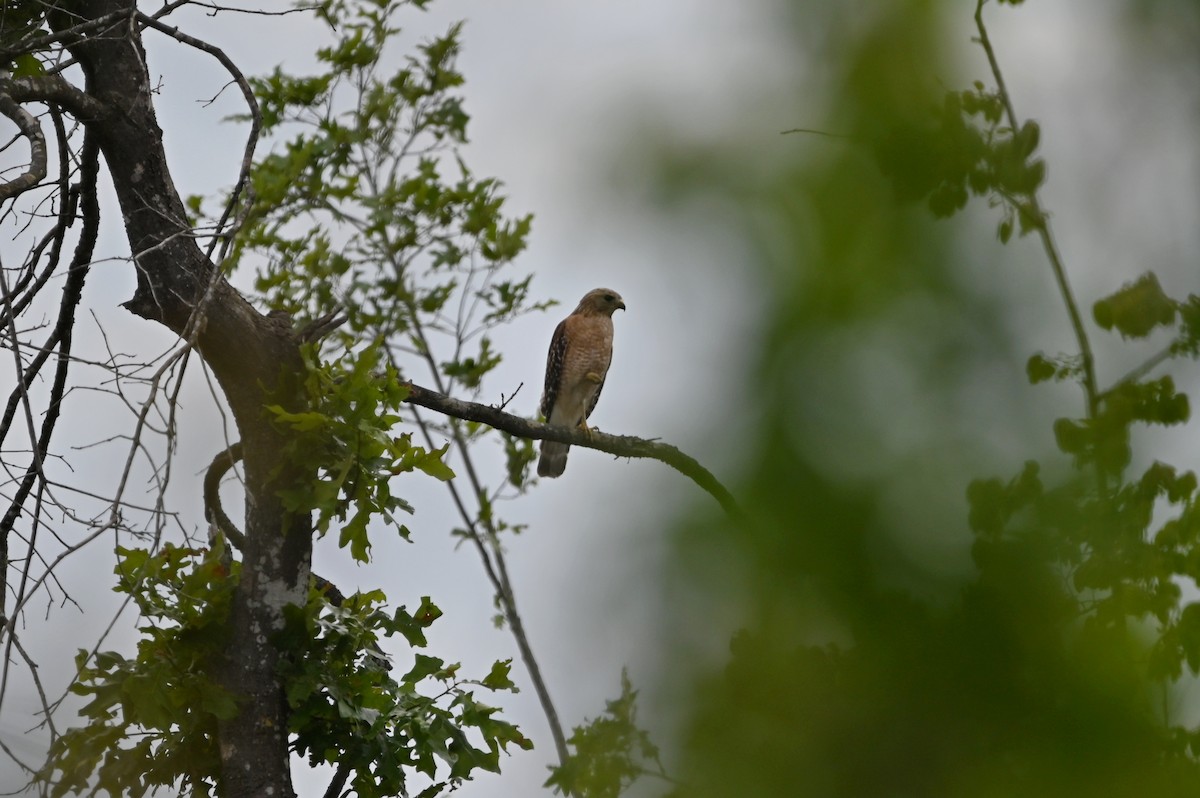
580 352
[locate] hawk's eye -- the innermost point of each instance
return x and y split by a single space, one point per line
609 297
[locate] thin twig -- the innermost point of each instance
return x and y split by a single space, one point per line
1136 373
243 180
1043 228
813 132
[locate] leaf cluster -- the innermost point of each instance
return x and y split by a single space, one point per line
152 719
1124 545
1135 311
965 149
1137 308
1051 668
1106 552
350 710
21 24
611 751
368 206
346 440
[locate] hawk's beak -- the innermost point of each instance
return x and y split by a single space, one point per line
621 304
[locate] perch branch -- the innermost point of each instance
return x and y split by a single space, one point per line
619 445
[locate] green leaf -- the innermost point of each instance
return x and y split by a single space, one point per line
1136 309
27 65
1071 436
519 453
423 667
1027 138
405 624
430 462
498 678
354 535
301 422
1038 369
428 612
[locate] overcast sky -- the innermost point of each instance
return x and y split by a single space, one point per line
561 96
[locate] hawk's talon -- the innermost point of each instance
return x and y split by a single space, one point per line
586 429
592 376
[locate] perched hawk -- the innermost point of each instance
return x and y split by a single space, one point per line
580 352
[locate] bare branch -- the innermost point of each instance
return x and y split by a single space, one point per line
54 89
814 132
214 512
338 783
31 130
1136 373
216 8
619 445
321 326
60 338
71 34
243 180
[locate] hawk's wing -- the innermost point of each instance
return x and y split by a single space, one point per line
554 368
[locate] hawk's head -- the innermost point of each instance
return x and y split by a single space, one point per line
600 301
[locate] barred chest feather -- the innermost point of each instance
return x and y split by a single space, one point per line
582 346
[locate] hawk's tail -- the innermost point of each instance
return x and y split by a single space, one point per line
554 459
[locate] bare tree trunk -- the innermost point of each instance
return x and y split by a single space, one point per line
257 362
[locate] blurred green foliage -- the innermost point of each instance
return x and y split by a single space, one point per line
1050 664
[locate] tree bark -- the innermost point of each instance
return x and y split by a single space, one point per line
254 357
